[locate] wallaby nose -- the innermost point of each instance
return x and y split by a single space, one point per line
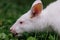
13 31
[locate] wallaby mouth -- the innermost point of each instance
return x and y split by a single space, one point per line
14 34
17 35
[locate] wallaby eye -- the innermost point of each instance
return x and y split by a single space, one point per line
21 22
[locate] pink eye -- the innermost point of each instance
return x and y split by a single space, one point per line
21 22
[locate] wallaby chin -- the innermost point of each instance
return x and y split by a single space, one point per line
37 19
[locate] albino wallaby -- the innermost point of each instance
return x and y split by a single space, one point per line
37 19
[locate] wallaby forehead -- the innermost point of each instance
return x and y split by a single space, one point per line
27 15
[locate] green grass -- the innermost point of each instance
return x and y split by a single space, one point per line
10 11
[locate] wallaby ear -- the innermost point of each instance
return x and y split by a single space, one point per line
36 8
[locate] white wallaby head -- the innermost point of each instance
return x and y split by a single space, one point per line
28 21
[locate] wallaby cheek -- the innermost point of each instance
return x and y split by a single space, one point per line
19 30
28 28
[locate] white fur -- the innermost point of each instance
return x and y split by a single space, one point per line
50 16
37 1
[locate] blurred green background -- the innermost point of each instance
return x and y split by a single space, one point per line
11 10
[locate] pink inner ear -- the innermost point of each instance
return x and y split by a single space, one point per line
36 10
